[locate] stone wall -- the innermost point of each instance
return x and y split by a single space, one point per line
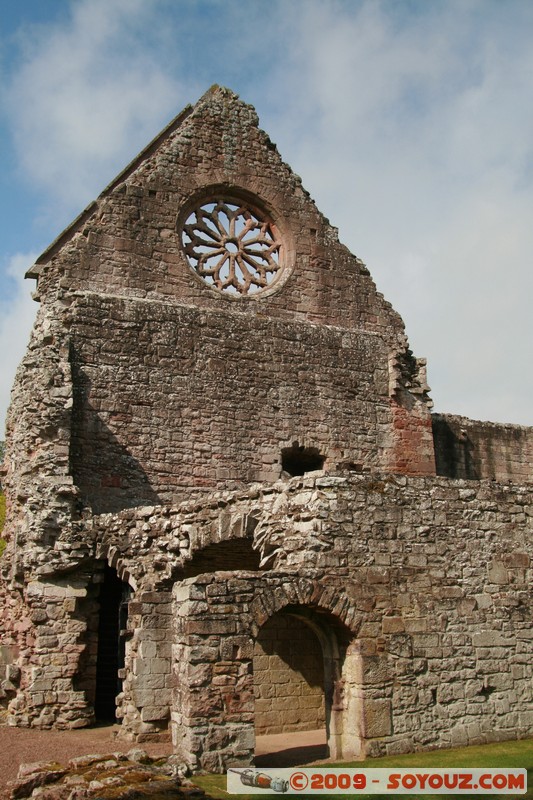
169 379
47 639
144 705
41 497
466 448
288 677
418 589
172 399
426 583
431 578
147 431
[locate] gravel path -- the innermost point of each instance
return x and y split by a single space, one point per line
26 745
19 745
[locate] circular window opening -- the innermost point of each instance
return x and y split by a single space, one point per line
232 247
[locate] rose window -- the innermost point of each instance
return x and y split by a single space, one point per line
233 248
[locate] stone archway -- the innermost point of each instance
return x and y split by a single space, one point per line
217 620
313 678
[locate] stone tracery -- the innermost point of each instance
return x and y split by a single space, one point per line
232 247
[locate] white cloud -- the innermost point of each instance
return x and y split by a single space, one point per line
478 324
86 97
414 136
16 320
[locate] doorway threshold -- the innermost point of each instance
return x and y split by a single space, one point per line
290 749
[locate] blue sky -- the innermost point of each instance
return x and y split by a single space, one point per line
410 122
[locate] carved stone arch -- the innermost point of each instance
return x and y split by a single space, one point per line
113 557
333 620
304 592
225 544
227 525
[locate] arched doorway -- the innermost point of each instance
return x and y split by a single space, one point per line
302 667
113 613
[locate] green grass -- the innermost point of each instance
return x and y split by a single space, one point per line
500 754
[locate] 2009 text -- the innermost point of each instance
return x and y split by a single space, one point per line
307 781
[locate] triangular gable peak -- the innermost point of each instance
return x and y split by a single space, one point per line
147 233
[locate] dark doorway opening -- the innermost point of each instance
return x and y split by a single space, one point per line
113 599
297 460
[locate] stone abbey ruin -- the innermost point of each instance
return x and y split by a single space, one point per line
230 509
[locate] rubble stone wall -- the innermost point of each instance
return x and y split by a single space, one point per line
17 636
50 642
466 448
432 577
427 584
41 497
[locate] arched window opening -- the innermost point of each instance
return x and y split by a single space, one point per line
297 459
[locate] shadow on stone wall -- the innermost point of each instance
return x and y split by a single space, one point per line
237 554
109 477
455 455
476 450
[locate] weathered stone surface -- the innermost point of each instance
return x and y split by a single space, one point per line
191 464
466 448
288 675
134 775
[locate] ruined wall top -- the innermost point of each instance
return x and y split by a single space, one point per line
467 448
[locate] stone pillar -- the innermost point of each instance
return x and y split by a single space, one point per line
213 706
48 695
412 449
